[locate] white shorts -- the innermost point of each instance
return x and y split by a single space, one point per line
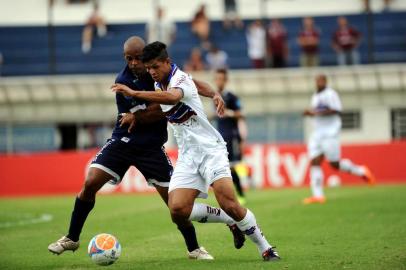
198 168
326 145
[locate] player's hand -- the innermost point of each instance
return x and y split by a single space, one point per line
127 119
123 89
219 103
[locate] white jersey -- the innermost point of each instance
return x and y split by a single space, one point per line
187 118
329 125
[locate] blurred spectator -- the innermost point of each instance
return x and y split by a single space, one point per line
231 15
160 29
201 26
308 40
256 44
95 21
386 5
216 58
195 61
345 41
277 43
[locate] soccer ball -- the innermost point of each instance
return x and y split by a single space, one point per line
104 249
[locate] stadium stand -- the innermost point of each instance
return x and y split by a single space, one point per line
26 49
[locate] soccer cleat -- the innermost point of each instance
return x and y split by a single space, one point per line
63 244
368 176
239 237
270 254
200 254
312 200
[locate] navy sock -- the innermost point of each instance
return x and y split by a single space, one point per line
189 234
79 215
237 183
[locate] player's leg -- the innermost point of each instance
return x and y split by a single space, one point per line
333 154
180 204
87 36
215 171
234 155
156 167
315 152
244 218
109 164
84 203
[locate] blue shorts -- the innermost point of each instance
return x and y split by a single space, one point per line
116 156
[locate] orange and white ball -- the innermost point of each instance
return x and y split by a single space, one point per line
104 249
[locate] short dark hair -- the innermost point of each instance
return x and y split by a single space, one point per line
222 71
154 50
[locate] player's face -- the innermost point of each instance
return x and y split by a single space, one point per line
158 69
321 83
133 59
220 80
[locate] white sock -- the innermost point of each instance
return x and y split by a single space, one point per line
346 165
248 225
205 213
316 181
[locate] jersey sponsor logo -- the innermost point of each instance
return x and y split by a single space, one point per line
180 80
180 113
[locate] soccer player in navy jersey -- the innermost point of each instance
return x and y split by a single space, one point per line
202 155
137 139
229 127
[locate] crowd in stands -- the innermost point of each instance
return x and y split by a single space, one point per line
267 42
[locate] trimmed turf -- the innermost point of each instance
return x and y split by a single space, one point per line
358 228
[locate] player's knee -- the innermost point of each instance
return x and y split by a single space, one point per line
89 189
179 211
335 165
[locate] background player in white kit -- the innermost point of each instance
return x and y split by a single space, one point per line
202 160
324 141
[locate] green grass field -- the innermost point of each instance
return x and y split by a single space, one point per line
358 228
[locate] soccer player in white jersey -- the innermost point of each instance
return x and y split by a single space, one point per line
324 141
202 160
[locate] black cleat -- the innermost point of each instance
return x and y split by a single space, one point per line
239 237
270 255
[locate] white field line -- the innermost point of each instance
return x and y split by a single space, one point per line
28 221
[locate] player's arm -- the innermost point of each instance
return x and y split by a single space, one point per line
204 89
170 97
324 112
151 114
233 113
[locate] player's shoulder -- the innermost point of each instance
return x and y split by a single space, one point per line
230 95
124 76
180 77
331 91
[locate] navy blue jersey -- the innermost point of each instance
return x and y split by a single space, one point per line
228 126
144 134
